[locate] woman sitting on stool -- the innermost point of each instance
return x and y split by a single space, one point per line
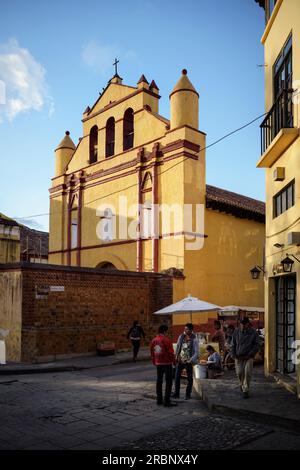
214 362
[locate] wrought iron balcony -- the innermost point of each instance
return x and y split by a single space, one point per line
279 117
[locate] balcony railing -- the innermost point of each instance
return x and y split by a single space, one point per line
279 117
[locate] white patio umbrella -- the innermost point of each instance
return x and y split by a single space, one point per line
188 305
235 309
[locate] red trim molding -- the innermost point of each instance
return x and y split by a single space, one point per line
60 187
115 103
109 171
189 127
69 220
79 219
139 247
154 220
183 89
177 144
127 242
181 154
131 172
181 143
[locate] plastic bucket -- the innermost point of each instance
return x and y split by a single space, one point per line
200 372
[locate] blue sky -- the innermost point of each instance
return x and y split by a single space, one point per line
56 56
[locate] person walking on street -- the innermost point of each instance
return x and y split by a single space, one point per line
135 334
187 353
219 336
162 355
244 346
228 337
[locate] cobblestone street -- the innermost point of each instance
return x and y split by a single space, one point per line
111 407
209 433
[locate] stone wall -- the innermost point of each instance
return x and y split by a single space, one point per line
66 310
10 312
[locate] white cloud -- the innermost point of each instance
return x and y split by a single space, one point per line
101 56
24 79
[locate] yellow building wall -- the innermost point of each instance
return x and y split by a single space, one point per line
219 273
285 19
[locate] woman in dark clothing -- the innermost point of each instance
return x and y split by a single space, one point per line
135 334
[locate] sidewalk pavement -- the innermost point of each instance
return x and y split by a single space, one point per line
269 402
74 363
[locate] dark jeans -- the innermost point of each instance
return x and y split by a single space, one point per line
161 371
189 371
136 346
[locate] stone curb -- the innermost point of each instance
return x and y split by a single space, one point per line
257 416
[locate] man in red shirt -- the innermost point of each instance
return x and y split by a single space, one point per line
162 354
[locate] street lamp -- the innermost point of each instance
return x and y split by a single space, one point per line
255 272
287 263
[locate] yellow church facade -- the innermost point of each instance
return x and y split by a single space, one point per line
132 195
280 158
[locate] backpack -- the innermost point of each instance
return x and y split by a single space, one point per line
135 333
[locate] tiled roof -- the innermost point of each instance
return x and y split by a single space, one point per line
235 204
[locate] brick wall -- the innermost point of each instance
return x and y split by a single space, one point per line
95 305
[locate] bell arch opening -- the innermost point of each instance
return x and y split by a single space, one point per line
107 265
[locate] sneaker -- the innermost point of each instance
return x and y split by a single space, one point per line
188 397
245 394
169 404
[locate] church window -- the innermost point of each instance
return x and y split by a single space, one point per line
110 137
74 221
74 232
146 220
94 144
128 129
